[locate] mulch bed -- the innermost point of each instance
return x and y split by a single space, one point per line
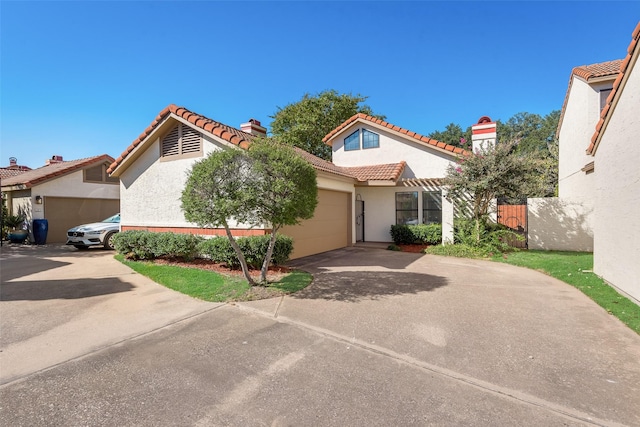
275 272
416 249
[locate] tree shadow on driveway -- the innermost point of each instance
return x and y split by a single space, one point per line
354 286
355 257
61 289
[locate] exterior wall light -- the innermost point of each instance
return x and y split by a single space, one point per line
38 200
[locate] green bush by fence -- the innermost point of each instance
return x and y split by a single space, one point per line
416 234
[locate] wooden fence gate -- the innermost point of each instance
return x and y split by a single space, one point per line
513 214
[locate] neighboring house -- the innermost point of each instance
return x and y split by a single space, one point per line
13 169
394 171
615 153
66 193
566 222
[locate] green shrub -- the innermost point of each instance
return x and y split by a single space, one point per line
254 248
176 245
484 234
458 250
142 244
218 249
416 234
393 248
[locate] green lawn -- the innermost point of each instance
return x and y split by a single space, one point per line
574 268
212 286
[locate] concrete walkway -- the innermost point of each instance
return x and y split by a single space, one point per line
380 338
58 303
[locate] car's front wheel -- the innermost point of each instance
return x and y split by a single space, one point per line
108 240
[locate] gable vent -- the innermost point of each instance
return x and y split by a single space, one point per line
180 140
190 140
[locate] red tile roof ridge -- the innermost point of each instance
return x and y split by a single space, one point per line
47 172
586 72
381 172
228 133
405 132
608 109
601 69
221 130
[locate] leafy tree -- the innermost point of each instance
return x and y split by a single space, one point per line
532 135
530 132
217 192
304 123
453 135
489 173
268 184
286 190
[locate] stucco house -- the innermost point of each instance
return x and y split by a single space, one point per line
615 155
393 171
65 193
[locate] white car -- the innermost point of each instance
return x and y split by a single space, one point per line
95 234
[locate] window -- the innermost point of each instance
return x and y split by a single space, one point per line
431 207
181 141
370 139
407 208
352 142
99 174
604 94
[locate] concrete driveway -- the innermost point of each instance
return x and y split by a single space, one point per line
379 338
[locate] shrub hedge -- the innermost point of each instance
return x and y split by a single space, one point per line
254 248
142 244
147 245
416 234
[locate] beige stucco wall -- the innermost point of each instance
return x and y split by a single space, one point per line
617 188
561 224
580 117
422 161
151 189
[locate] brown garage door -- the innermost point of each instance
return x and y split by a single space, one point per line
62 213
328 229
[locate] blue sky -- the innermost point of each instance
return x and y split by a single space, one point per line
80 79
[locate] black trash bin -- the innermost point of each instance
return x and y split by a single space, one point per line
40 230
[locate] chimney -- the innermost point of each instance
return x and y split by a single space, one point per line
13 162
483 134
253 127
53 159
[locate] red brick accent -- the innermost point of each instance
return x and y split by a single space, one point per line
238 232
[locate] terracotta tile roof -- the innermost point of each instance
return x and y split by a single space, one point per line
227 133
244 139
388 172
321 164
603 69
36 176
9 172
618 86
414 136
586 72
